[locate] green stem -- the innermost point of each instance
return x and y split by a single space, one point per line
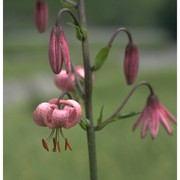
143 83
88 97
117 32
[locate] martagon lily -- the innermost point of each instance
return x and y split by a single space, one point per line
50 114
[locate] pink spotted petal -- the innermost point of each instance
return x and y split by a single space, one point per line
53 101
38 114
74 111
42 114
47 116
59 117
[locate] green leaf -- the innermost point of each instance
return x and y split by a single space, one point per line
99 120
81 32
86 121
83 125
84 31
118 117
126 115
67 5
101 57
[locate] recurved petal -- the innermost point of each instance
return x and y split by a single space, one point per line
59 117
153 124
75 113
39 113
48 115
140 118
145 122
168 114
164 121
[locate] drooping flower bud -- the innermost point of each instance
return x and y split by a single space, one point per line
131 62
55 53
58 50
41 15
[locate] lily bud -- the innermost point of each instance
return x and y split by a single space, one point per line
131 62
41 15
58 50
65 51
55 53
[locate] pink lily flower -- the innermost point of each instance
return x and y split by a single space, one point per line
48 114
154 114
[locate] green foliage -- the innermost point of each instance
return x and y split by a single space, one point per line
101 57
81 32
100 118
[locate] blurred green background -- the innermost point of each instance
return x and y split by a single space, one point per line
28 80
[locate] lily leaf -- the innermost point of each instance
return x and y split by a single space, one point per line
116 118
101 57
83 125
99 120
67 5
126 115
81 32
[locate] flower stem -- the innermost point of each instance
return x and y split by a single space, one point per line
142 83
116 33
88 96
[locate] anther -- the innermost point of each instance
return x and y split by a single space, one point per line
45 145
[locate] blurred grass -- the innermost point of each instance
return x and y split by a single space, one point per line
121 153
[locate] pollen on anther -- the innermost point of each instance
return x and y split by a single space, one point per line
45 145
67 145
54 143
58 146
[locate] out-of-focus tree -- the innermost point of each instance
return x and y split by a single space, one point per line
168 17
